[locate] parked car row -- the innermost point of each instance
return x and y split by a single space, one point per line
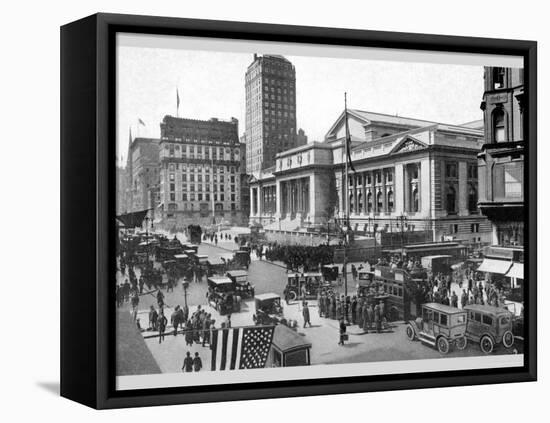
445 327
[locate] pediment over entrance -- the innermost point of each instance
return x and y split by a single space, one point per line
408 144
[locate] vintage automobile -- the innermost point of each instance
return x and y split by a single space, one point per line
222 295
241 258
269 311
305 286
440 326
243 288
489 326
330 272
288 348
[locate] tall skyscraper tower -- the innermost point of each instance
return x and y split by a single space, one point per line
270 124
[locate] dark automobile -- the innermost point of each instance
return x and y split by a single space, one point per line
222 295
243 288
269 311
305 285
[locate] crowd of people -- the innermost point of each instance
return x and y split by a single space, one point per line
307 258
368 313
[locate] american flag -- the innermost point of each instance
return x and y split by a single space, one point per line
241 348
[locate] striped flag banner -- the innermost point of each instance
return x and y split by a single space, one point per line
241 348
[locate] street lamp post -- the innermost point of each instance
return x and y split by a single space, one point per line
402 218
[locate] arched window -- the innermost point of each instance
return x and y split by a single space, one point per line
360 203
499 129
472 199
415 204
379 202
369 202
390 201
351 203
451 200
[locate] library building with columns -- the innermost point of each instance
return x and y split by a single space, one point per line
407 175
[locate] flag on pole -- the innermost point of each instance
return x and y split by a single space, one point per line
241 348
177 98
348 141
142 123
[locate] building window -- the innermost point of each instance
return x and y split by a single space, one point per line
498 78
390 201
369 203
184 197
475 227
499 133
451 200
172 196
472 199
513 180
450 170
172 177
172 187
454 228
379 201
472 171
199 196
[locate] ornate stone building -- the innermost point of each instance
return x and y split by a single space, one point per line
409 173
201 166
501 161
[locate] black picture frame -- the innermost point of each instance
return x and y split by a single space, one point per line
88 198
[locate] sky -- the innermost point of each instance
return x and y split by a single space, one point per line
211 84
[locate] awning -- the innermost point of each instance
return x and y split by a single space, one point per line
516 271
495 266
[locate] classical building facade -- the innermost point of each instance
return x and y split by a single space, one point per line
143 174
410 174
270 125
501 161
201 166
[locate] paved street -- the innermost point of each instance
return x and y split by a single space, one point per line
269 277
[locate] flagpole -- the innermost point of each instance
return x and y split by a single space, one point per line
346 207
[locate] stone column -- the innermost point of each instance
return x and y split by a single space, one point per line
384 193
398 192
373 190
259 201
406 189
278 199
462 193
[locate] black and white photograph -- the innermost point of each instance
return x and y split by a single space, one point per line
288 211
